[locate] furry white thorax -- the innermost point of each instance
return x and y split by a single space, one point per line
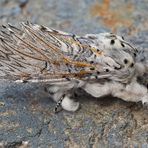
133 91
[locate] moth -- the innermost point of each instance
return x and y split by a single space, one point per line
135 90
101 64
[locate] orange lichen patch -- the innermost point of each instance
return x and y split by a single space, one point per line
113 17
101 9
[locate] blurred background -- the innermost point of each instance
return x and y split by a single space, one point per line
26 112
79 16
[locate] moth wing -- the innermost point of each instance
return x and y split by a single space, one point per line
37 52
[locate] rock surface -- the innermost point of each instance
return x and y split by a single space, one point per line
26 112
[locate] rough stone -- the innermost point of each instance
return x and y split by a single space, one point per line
26 111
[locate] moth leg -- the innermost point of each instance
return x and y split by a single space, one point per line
145 101
58 105
69 104
133 92
69 101
63 95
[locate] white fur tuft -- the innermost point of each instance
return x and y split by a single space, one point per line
69 104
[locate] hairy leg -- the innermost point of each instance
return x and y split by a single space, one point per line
63 95
133 92
99 90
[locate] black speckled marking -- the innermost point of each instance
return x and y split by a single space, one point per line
125 61
117 68
107 70
122 45
43 28
135 54
112 42
4 26
132 65
95 56
91 62
92 68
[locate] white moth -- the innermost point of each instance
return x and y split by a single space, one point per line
135 90
101 64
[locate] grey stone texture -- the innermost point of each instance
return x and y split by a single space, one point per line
26 111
